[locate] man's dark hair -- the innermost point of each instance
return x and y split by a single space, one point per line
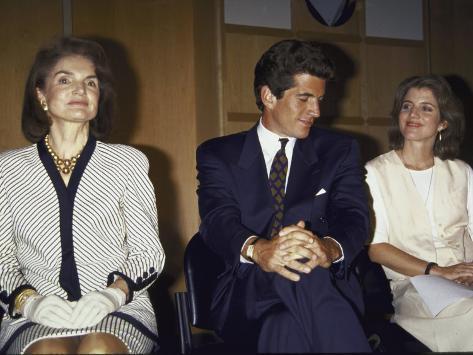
450 108
278 65
34 121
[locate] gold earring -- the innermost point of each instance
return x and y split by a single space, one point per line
44 105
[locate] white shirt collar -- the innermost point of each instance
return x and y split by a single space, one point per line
270 144
270 141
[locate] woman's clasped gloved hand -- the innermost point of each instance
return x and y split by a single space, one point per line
52 310
94 306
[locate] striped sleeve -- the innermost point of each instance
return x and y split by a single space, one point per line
12 280
146 256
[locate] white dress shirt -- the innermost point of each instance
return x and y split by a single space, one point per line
270 145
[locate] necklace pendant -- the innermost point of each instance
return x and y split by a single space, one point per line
64 166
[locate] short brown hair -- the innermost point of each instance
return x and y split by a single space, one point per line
34 121
285 59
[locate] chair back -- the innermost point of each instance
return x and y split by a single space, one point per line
201 269
375 286
384 336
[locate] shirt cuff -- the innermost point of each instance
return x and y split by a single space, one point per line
340 246
242 259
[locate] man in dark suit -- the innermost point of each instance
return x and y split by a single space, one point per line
283 205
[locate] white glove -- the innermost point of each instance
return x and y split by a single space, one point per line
52 310
94 306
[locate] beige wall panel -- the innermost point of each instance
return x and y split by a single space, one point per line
235 126
302 20
242 51
25 26
238 121
387 66
208 32
441 34
151 43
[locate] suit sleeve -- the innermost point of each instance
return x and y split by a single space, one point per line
347 211
220 214
145 254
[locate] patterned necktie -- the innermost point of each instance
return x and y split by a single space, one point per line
277 183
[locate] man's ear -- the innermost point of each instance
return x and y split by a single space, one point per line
267 97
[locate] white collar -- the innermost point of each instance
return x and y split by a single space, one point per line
270 141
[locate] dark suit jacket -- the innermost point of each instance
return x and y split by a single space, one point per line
325 189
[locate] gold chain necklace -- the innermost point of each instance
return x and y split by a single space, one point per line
65 166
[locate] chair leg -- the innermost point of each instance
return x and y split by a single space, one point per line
185 334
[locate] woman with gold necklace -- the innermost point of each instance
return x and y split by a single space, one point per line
423 208
79 238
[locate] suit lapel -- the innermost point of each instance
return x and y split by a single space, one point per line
302 177
251 150
253 188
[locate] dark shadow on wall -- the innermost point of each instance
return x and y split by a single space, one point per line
345 69
464 92
336 91
126 121
127 90
369 147
160 292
